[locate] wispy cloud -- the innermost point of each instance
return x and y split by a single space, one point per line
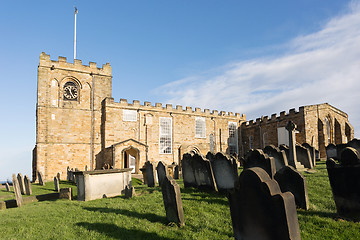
320 67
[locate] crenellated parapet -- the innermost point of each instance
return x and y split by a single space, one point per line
77 66
148 106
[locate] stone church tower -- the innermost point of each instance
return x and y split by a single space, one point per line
68 114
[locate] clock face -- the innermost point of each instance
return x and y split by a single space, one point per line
70 91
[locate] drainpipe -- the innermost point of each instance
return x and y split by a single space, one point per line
139 124
212 118
172 136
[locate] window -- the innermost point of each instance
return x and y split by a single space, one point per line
233 139
200 131
165 138
129 115
212 144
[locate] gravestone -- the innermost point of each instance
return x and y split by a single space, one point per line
345 182
259 210
285 148
311 151
16 186
203 173
58 175
57 184
27 182
129 191
65 193
354 143
291 180
291 127
7 187
176 172
86 168
303 156
21 183
41 179
257 158
278 155
161 171
331 151
68 174
340 148
150 174
172 201
225 171
188 171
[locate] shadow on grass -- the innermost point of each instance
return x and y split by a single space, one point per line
318 213
149 216
113 231
209 196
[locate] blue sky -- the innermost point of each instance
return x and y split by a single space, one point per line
252 57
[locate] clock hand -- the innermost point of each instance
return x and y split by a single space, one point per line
72 95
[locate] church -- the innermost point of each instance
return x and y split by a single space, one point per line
79 124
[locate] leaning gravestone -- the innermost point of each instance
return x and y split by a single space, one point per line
18 197
21 183
278 155
161 171
259 210
56 184
27 182
257 158
303 156
331 151
150 174
188 171
312 152
41 179
172 201
345 182
7 187
291 180
203 173
225 171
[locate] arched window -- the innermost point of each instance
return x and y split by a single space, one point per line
328 129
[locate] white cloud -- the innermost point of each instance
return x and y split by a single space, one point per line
320 67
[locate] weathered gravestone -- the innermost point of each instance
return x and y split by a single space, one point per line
291 127
65 193
312 152
150 174
331 151
176 172
354 143
339 148
172 201
41 179
345 182
161 171
7 187
57 184
203 174
291 180
225 171
16 186
27 182
188 171
278 155
58 175
259 210
285 148
68 177
257 158
303 156
129 191
21 183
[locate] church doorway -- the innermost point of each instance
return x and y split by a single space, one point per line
131 159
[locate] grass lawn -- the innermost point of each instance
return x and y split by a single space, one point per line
207 216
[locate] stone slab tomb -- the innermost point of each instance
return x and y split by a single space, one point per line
150 174
225 171
278 155
259 210
291 180
161 171
16 186
257 158
57 184
344 179
303 156
27 182
172 201
21 183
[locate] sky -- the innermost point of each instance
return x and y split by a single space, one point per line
253 57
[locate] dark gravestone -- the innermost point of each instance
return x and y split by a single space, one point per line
259 210
278 155
27 183
129 191
210 156
345 183
161 171
57 184
188 171
291 127
311 151
58 175
285 148
331 151
68 174
65 193
176 172
354 143
257 158
7 187
41 179
172 201
303 156
203 173
290 180
16 186
150 174
339 149
21 183
225 171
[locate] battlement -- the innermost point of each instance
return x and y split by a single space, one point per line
123 103
77 66
274 117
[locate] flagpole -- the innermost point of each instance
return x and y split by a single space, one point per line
76 11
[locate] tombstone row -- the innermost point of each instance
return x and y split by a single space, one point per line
155 173
334 151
